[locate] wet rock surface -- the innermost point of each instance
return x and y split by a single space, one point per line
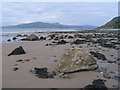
98 84
15 68
78 41
61 42
17 51
42 72
98 55
14 38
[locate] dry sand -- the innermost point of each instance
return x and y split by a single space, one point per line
44 56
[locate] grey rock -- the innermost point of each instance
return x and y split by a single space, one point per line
32 37
76 59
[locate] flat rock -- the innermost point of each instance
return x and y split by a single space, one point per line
78 41
98 55
42 72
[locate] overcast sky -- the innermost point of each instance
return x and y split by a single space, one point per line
75 13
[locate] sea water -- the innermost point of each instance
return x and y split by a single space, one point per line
8 33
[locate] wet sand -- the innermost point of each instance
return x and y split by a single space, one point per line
44 56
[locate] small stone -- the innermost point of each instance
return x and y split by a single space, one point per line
14 38
19 60
55 60
9 40
27 60
15 69
16 64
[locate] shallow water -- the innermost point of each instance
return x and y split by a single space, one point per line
9 33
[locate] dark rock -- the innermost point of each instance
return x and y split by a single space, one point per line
42 73
16 64
47 45
79 41
42 38
61 37
23 39
98 55
61 42
27 60
19 60
70 37
98 84
54 73
66 36
106 75
111 55
108 45
15 69
53 88
55 60
56 38
54 42
110 61
14 38
18 35
9 40
17 51
51 36
101 41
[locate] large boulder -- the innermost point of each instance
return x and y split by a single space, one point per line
32 37
98 55
76 59
17 51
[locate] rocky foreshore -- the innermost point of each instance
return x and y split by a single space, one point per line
62 60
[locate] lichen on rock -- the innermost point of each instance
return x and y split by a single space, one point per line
76 59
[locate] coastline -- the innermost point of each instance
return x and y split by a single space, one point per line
45 56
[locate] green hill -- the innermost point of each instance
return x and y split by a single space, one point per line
113 24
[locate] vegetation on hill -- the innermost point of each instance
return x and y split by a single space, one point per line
113 24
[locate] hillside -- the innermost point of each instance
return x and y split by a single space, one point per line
49 25
113 24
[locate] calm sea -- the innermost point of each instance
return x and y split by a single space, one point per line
6 34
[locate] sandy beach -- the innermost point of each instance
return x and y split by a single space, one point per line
40 55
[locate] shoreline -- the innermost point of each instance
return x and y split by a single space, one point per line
40 55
